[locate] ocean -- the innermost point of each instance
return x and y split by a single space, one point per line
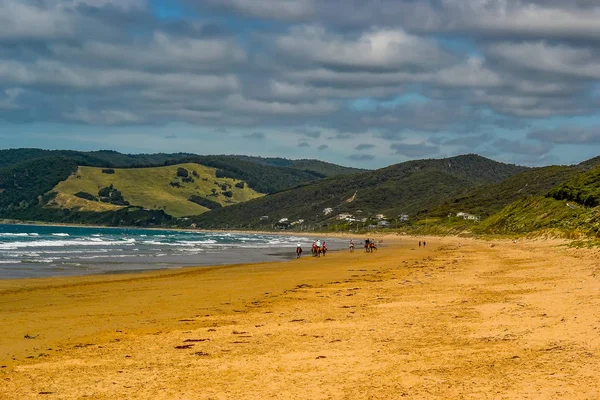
28 251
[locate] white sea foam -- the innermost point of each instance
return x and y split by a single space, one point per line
60 234
10 262
63 243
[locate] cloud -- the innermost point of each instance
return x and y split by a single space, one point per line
255 136
380 50
364 146
322 147
311 133
361 157
438 76
303 144
415 150
568 135
171 137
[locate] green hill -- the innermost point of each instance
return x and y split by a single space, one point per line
491 198
27 177
402 188
179 190
569 209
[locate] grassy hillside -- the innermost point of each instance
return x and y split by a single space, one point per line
489 199
157 188
403 188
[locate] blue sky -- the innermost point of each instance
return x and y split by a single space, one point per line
366 84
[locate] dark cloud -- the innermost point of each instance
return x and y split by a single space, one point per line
303 144
364 146
415 150
322 147
171 137
255 136
568 135
361 157
312 133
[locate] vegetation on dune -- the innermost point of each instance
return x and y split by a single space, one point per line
543 214
488 199
583 189
152 188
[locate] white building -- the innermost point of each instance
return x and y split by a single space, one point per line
327 211
343 216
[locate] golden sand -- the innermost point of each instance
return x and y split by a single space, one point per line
486 320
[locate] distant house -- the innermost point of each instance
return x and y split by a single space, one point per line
467 216
380 216
383 223
327 211
403 218
264 217
283 220
343 216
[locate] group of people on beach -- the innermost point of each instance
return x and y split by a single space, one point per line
317 249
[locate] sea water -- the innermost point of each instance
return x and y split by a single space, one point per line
43 250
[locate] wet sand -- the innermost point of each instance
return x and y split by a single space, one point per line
485 320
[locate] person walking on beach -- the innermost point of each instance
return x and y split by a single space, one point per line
351 246
298 251
419 243
367 245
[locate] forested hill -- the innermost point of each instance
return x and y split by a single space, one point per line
408 187
27 176
320 167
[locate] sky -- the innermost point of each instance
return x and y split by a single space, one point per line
363 83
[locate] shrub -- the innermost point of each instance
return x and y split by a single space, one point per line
240 185
182 172
228 193
187 179
108 171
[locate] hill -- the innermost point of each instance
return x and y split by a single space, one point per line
179 190
27 177
402 188
322 168
569 209
488 199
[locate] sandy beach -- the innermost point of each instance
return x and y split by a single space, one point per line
483 320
